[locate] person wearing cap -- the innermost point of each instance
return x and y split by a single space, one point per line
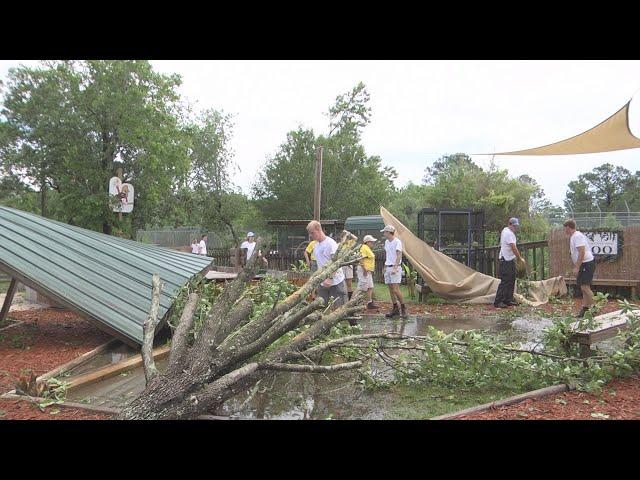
392 271
584 263
365 269
249 244
324 249
507 267
348 269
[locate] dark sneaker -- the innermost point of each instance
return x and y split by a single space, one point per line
513 304
403 312
394 312
583 310
501 305
372 306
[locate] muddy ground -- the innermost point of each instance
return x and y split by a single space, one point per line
47 338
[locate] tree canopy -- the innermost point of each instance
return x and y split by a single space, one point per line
353 183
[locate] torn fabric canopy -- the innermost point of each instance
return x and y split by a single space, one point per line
455 281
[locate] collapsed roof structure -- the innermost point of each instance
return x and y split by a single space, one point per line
105 279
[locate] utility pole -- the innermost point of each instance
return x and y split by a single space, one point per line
317 192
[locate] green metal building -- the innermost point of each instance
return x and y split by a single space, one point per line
105 279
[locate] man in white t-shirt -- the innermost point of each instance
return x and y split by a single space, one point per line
249 244
584 263
334 286
195 247
202 246
393 271
507 266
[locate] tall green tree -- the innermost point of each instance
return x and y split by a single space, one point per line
70 124
606 186
353 183
455 181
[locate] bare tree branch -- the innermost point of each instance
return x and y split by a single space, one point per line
149 328
290 367
181 334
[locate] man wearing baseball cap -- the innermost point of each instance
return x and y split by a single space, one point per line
392 271
507 267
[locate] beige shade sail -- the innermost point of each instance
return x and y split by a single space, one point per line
611 135
454 281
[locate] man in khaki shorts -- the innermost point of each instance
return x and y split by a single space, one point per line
393 272
365 270
348 270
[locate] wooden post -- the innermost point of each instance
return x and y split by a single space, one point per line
318 185
8 299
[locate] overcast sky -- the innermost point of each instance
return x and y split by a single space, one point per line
421 109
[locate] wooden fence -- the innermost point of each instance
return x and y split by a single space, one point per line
625 267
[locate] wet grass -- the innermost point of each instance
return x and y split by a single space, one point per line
420 402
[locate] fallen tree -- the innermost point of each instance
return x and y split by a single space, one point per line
232 350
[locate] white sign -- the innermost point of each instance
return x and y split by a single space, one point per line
121 195
603 243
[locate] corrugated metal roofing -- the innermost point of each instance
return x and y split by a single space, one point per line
106 279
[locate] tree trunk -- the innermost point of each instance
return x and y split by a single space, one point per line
230 352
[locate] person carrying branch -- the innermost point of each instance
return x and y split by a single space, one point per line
584 263
310 257
393 272
333 287
507 267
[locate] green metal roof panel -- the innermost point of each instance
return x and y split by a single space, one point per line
368 222
105 278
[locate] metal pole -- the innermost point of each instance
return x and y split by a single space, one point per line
119 172
317 193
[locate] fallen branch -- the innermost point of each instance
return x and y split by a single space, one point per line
290 367
149 328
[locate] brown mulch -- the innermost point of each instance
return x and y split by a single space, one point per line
47 338
618 400
487 310
23 410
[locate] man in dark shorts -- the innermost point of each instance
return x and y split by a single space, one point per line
584 263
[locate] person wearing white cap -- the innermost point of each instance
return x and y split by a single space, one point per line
365 269
249 245
507 267
392 271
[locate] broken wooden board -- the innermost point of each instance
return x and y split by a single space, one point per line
220 276
606 326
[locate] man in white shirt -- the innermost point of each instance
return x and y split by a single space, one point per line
507 267
249 244
202 246
334 286
393 272
584 263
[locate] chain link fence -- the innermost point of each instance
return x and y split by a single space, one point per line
597 219
182 237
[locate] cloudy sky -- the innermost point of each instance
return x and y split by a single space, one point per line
421 109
